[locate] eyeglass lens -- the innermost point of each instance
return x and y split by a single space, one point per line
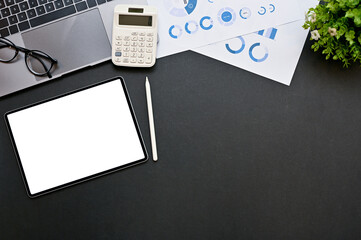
38 62
7 50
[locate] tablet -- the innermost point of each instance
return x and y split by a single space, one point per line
76 137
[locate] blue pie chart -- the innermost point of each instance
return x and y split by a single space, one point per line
180 8
226 16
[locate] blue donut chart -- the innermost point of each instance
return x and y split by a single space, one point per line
229 49
210 20
258 59
171 31
262 11
191 31
245 13
272 8
226 16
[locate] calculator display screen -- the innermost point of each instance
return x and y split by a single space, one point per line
135 20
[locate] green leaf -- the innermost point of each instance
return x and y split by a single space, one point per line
348 3
356 15
342 30
333 7
345 17
350 35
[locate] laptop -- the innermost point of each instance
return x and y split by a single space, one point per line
77 33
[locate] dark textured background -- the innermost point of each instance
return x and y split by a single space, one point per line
240 157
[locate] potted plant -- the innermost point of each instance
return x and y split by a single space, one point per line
336 29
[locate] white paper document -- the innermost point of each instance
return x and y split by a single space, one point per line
271 52
187 24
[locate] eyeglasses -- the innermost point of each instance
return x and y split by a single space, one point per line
38 62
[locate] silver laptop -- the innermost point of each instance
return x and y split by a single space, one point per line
77 33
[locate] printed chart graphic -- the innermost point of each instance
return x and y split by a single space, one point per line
263 9
226 16
245 13
260 58
240 49
175 31
191 27
258 52
187 24
180 8
271 51
272 8
206 23
268 33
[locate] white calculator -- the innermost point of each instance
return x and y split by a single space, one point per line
134 40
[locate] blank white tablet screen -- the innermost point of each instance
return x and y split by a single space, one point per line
75 136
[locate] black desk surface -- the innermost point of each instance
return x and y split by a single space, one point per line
240 157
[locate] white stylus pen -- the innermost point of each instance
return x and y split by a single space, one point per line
151 119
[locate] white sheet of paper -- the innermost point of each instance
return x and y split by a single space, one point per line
187 24
273 53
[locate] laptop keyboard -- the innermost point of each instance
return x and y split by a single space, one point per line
20 15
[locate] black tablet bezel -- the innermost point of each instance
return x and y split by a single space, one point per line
91 176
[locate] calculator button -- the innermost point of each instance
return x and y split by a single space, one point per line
150 34
126 43
117 59
134 44
141 39
140 60
118 37
134 33
125 54
141 50
118 48
125 60
142 34
133 54
118 43
149 39
149 44
148 58
141 44
133 60
149 50
133 49
134 38
126 49
118 54
141 55
127 38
